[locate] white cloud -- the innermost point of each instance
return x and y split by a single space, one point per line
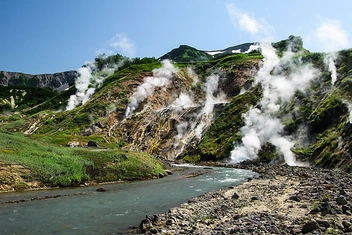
119 43
258 29
328 37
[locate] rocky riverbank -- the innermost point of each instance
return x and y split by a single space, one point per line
283 200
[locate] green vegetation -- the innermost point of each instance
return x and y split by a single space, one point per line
23 97
63 166
186 53
294 43
322 113
219 140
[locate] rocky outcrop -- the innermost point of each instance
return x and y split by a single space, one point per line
56 81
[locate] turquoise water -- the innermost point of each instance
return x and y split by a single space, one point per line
87 211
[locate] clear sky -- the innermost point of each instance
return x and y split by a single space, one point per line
47 36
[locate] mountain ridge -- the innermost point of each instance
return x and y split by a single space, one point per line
56 81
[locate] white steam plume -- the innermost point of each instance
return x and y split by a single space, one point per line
181 131
329 60
88 81
184 101
83 91
195 129
161 77
193 75
349 106
262 124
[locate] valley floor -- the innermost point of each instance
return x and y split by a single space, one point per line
283 200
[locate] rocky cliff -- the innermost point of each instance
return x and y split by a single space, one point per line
56 81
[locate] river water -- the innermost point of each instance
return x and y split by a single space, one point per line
86 211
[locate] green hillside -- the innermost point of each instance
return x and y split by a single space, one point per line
36 130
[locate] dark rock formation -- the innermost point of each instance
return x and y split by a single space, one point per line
56 81
92 144
101 190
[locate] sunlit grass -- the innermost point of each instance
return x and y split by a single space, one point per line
63 166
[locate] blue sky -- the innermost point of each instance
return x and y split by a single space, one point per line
47 36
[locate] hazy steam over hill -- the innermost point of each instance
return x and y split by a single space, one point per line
275 102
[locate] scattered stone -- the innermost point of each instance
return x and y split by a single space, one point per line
267 205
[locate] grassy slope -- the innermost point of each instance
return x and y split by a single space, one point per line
45 152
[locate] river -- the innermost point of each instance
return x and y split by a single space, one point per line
85 211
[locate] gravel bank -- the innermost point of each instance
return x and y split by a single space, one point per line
283 200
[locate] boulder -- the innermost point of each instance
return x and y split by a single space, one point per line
235 196
92 144
341 200
101 190
295 198
145 225
309 227
73 144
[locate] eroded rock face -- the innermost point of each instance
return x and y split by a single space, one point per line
56 81
161 127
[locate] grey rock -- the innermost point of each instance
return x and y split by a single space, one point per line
56 81
324 223
92 144
345 209
235 196
346 224
343 192
309 227
341 200
295 198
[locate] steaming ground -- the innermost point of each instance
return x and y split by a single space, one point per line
194 127
262 123
89 79
279 77
161 78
